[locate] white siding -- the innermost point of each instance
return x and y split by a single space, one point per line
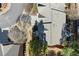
57 18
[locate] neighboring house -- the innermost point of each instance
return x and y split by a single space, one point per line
54 18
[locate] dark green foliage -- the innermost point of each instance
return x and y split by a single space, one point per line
38 47
67 51
74 45
71 51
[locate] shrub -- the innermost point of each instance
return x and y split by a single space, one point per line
38 47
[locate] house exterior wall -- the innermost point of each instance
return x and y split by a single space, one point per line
45 11
54 29
57 24
57 17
